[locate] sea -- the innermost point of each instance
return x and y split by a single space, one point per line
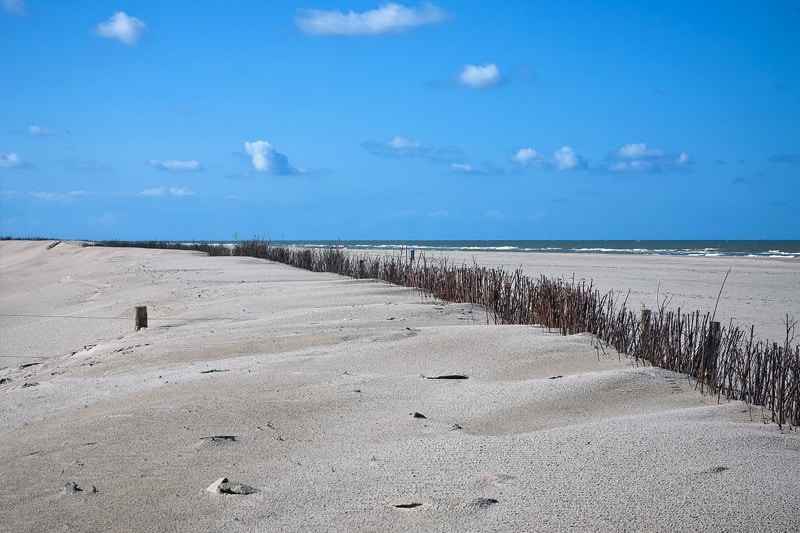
703 248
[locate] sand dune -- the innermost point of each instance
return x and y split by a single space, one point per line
305 387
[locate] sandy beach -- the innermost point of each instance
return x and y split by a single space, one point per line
319 395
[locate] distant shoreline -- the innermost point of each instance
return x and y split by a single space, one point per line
774 249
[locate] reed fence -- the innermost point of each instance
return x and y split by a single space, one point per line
729 362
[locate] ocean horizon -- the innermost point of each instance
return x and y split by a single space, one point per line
781 248
695 248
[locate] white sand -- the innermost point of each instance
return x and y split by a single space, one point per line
318 377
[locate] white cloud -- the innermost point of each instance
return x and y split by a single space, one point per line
180 191
565 158
631 166
403 143
260 151
122 27
638 151
639 158
397 147
180 166
16 7
480 77
266 159
388 18
527 157
405 147
38 130
158 191
12 160
453 157
480 168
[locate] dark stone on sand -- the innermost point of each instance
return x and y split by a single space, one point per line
236 488
220 438
223 486
72 487
409 505
483 503
419 415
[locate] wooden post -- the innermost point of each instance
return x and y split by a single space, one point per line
140 317
713 335
390 271
644 320
711 354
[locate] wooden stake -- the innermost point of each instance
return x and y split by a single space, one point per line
713 334
140 317
711 354
644 320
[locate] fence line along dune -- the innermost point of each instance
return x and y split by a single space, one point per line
730 362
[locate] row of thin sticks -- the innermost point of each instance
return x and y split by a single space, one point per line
729 362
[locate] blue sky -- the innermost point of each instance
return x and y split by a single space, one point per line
366 120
